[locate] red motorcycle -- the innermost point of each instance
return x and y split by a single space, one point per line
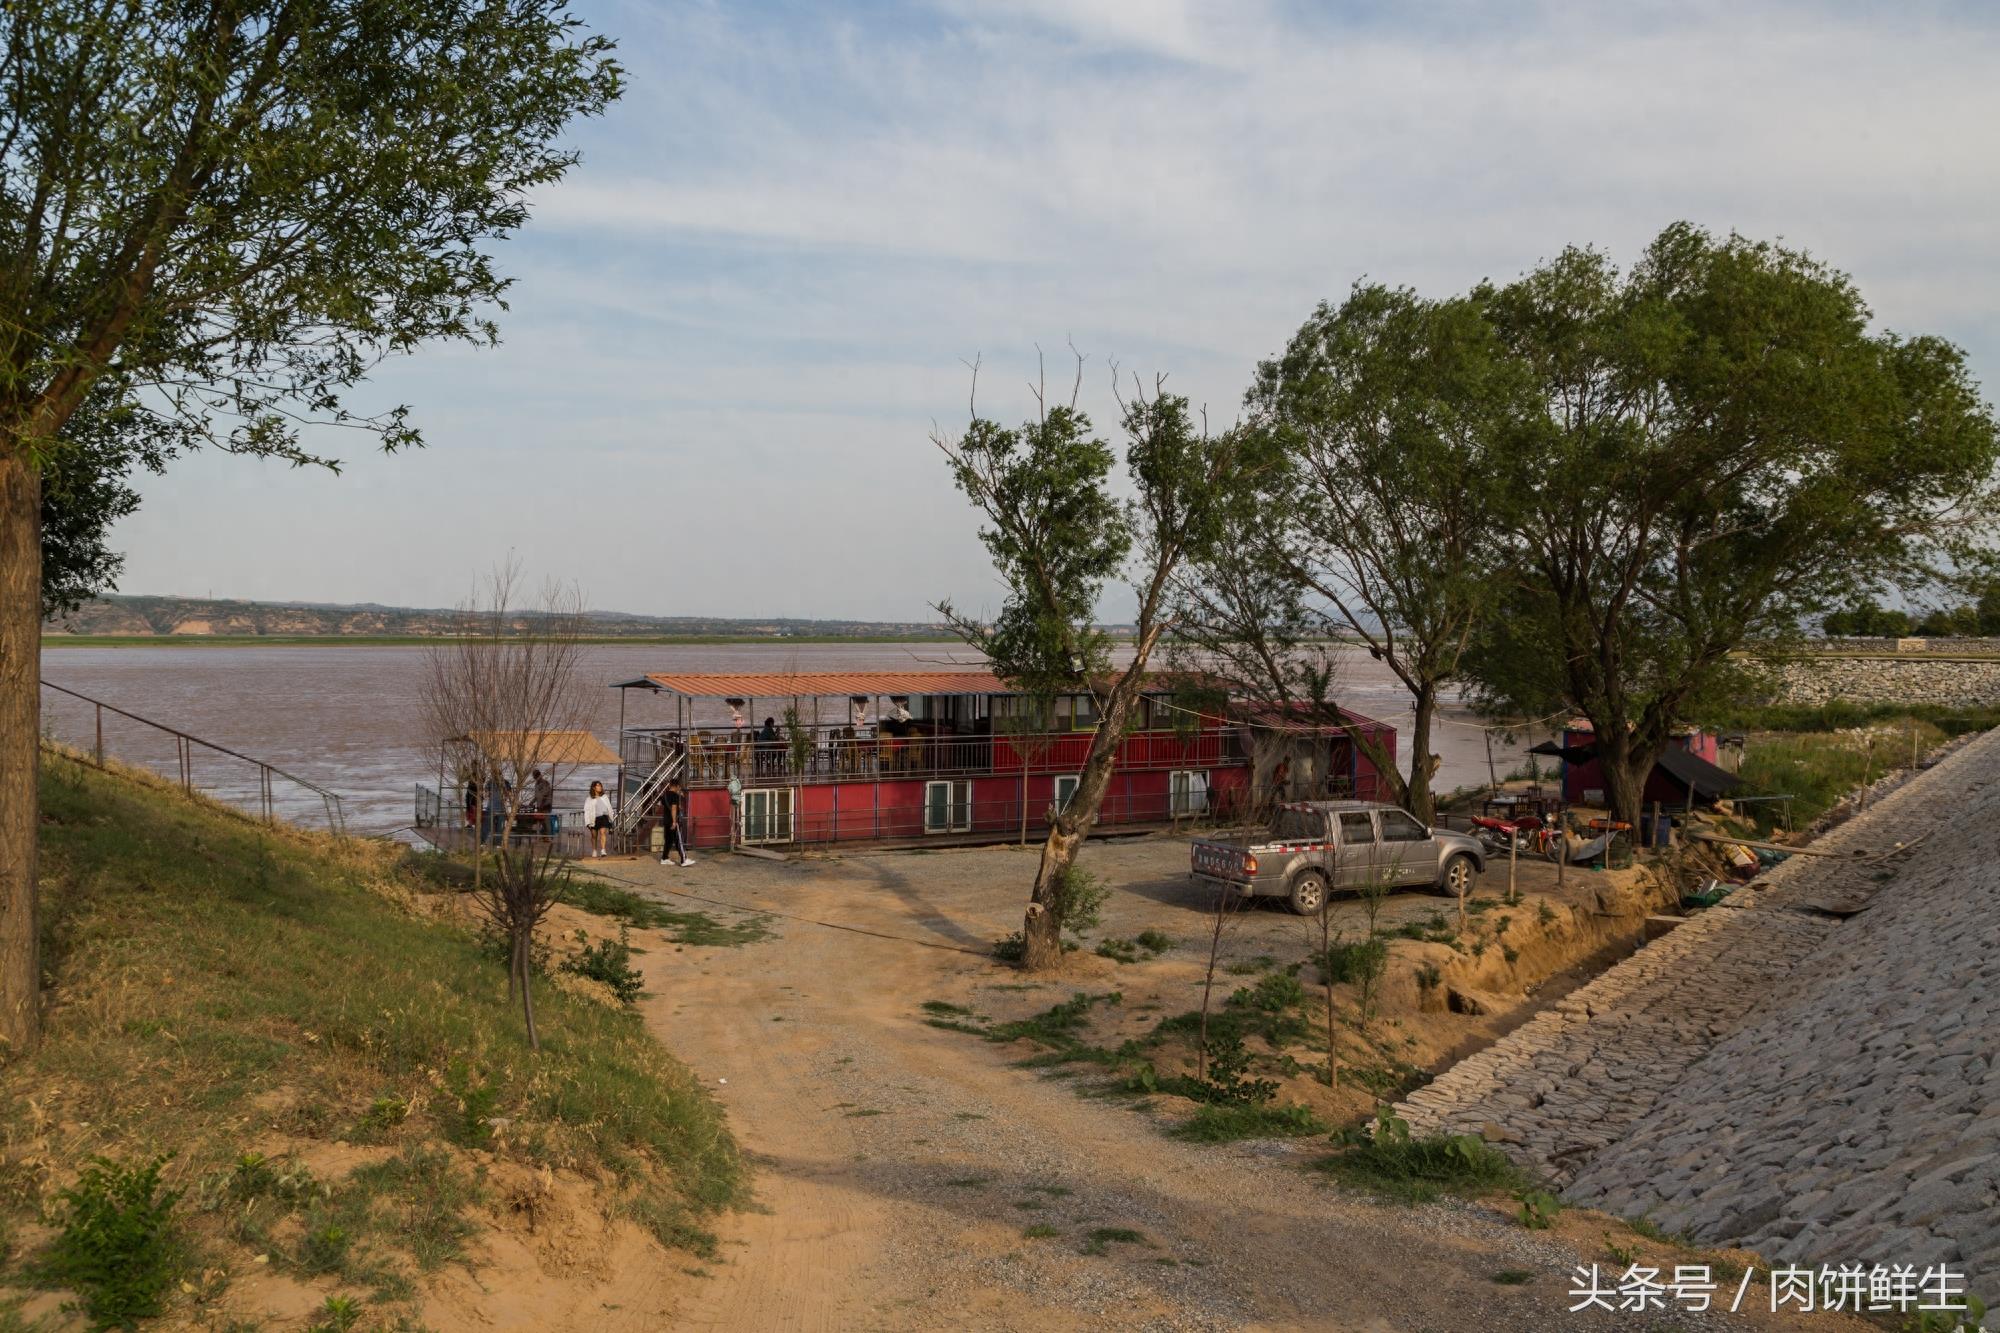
1533 835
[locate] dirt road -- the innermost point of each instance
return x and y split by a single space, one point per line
914 1178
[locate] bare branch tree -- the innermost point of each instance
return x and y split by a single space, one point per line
502 694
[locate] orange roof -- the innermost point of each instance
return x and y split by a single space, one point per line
785 685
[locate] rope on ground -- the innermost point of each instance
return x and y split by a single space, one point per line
793 916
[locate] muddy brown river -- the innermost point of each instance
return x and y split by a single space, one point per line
351 719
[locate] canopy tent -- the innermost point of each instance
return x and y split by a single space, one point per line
557 749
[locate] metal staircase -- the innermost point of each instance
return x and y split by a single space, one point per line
632 806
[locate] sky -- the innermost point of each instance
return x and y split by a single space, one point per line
737 323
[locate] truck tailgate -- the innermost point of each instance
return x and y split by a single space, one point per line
1220 860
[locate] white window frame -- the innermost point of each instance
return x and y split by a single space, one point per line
1187 792
957 806
1056 797
779 826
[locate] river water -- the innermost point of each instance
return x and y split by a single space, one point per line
351 718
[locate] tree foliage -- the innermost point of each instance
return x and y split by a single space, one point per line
1715 449
1388 412
1058 535
216 216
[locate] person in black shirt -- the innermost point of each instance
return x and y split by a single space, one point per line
673 808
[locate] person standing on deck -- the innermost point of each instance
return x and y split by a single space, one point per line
597 818
673 803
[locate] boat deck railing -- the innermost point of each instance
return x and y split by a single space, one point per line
830 754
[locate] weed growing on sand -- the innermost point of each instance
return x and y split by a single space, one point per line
1149 943
1039 1231
1101 1239
1214 1123
1250 967
1428 977
609 962
1357 963
1538 1208
338 1315
1513 1277
1392 1164
117 1249
383 1114
945 1009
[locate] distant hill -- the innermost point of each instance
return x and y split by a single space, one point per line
197 617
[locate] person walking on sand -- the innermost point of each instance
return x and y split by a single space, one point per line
673 802
597 818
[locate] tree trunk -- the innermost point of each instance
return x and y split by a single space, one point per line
20 750
523 954
1041 929
1625 766
1417 798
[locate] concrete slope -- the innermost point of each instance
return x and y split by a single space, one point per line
1818 1085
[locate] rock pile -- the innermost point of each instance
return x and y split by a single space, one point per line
1886 680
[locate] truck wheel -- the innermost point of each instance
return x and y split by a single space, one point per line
1457 876
1308 896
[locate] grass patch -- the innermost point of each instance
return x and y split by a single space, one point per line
1817 769
1039 1231
698 928
1250 967
1101 1239
1513 1277
943 1008
221 983
1215 1123
1392 1165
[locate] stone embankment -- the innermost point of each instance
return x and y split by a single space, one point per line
1890 680
1811 1070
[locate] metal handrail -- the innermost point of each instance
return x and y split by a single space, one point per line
184 743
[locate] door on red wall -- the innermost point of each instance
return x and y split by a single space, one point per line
947 807
767 815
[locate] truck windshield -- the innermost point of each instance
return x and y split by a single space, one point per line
1298 826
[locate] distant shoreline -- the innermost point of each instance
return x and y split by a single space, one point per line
423 640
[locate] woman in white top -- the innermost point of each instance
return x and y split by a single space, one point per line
597 818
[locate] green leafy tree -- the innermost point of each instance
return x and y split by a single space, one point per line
85 490
1057 535
226 212
1719 450
1389 413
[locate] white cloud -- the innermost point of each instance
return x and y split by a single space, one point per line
737 321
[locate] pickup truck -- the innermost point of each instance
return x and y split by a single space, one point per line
1318 848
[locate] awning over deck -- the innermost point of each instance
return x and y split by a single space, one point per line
826 684
564 749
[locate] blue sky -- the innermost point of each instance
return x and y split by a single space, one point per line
735 324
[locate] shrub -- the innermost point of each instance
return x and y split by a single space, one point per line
1358 963
1078 901
1155 941
1224 1083
1428 977
608 961
1274 993
117 1248
1118 951
1009 948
